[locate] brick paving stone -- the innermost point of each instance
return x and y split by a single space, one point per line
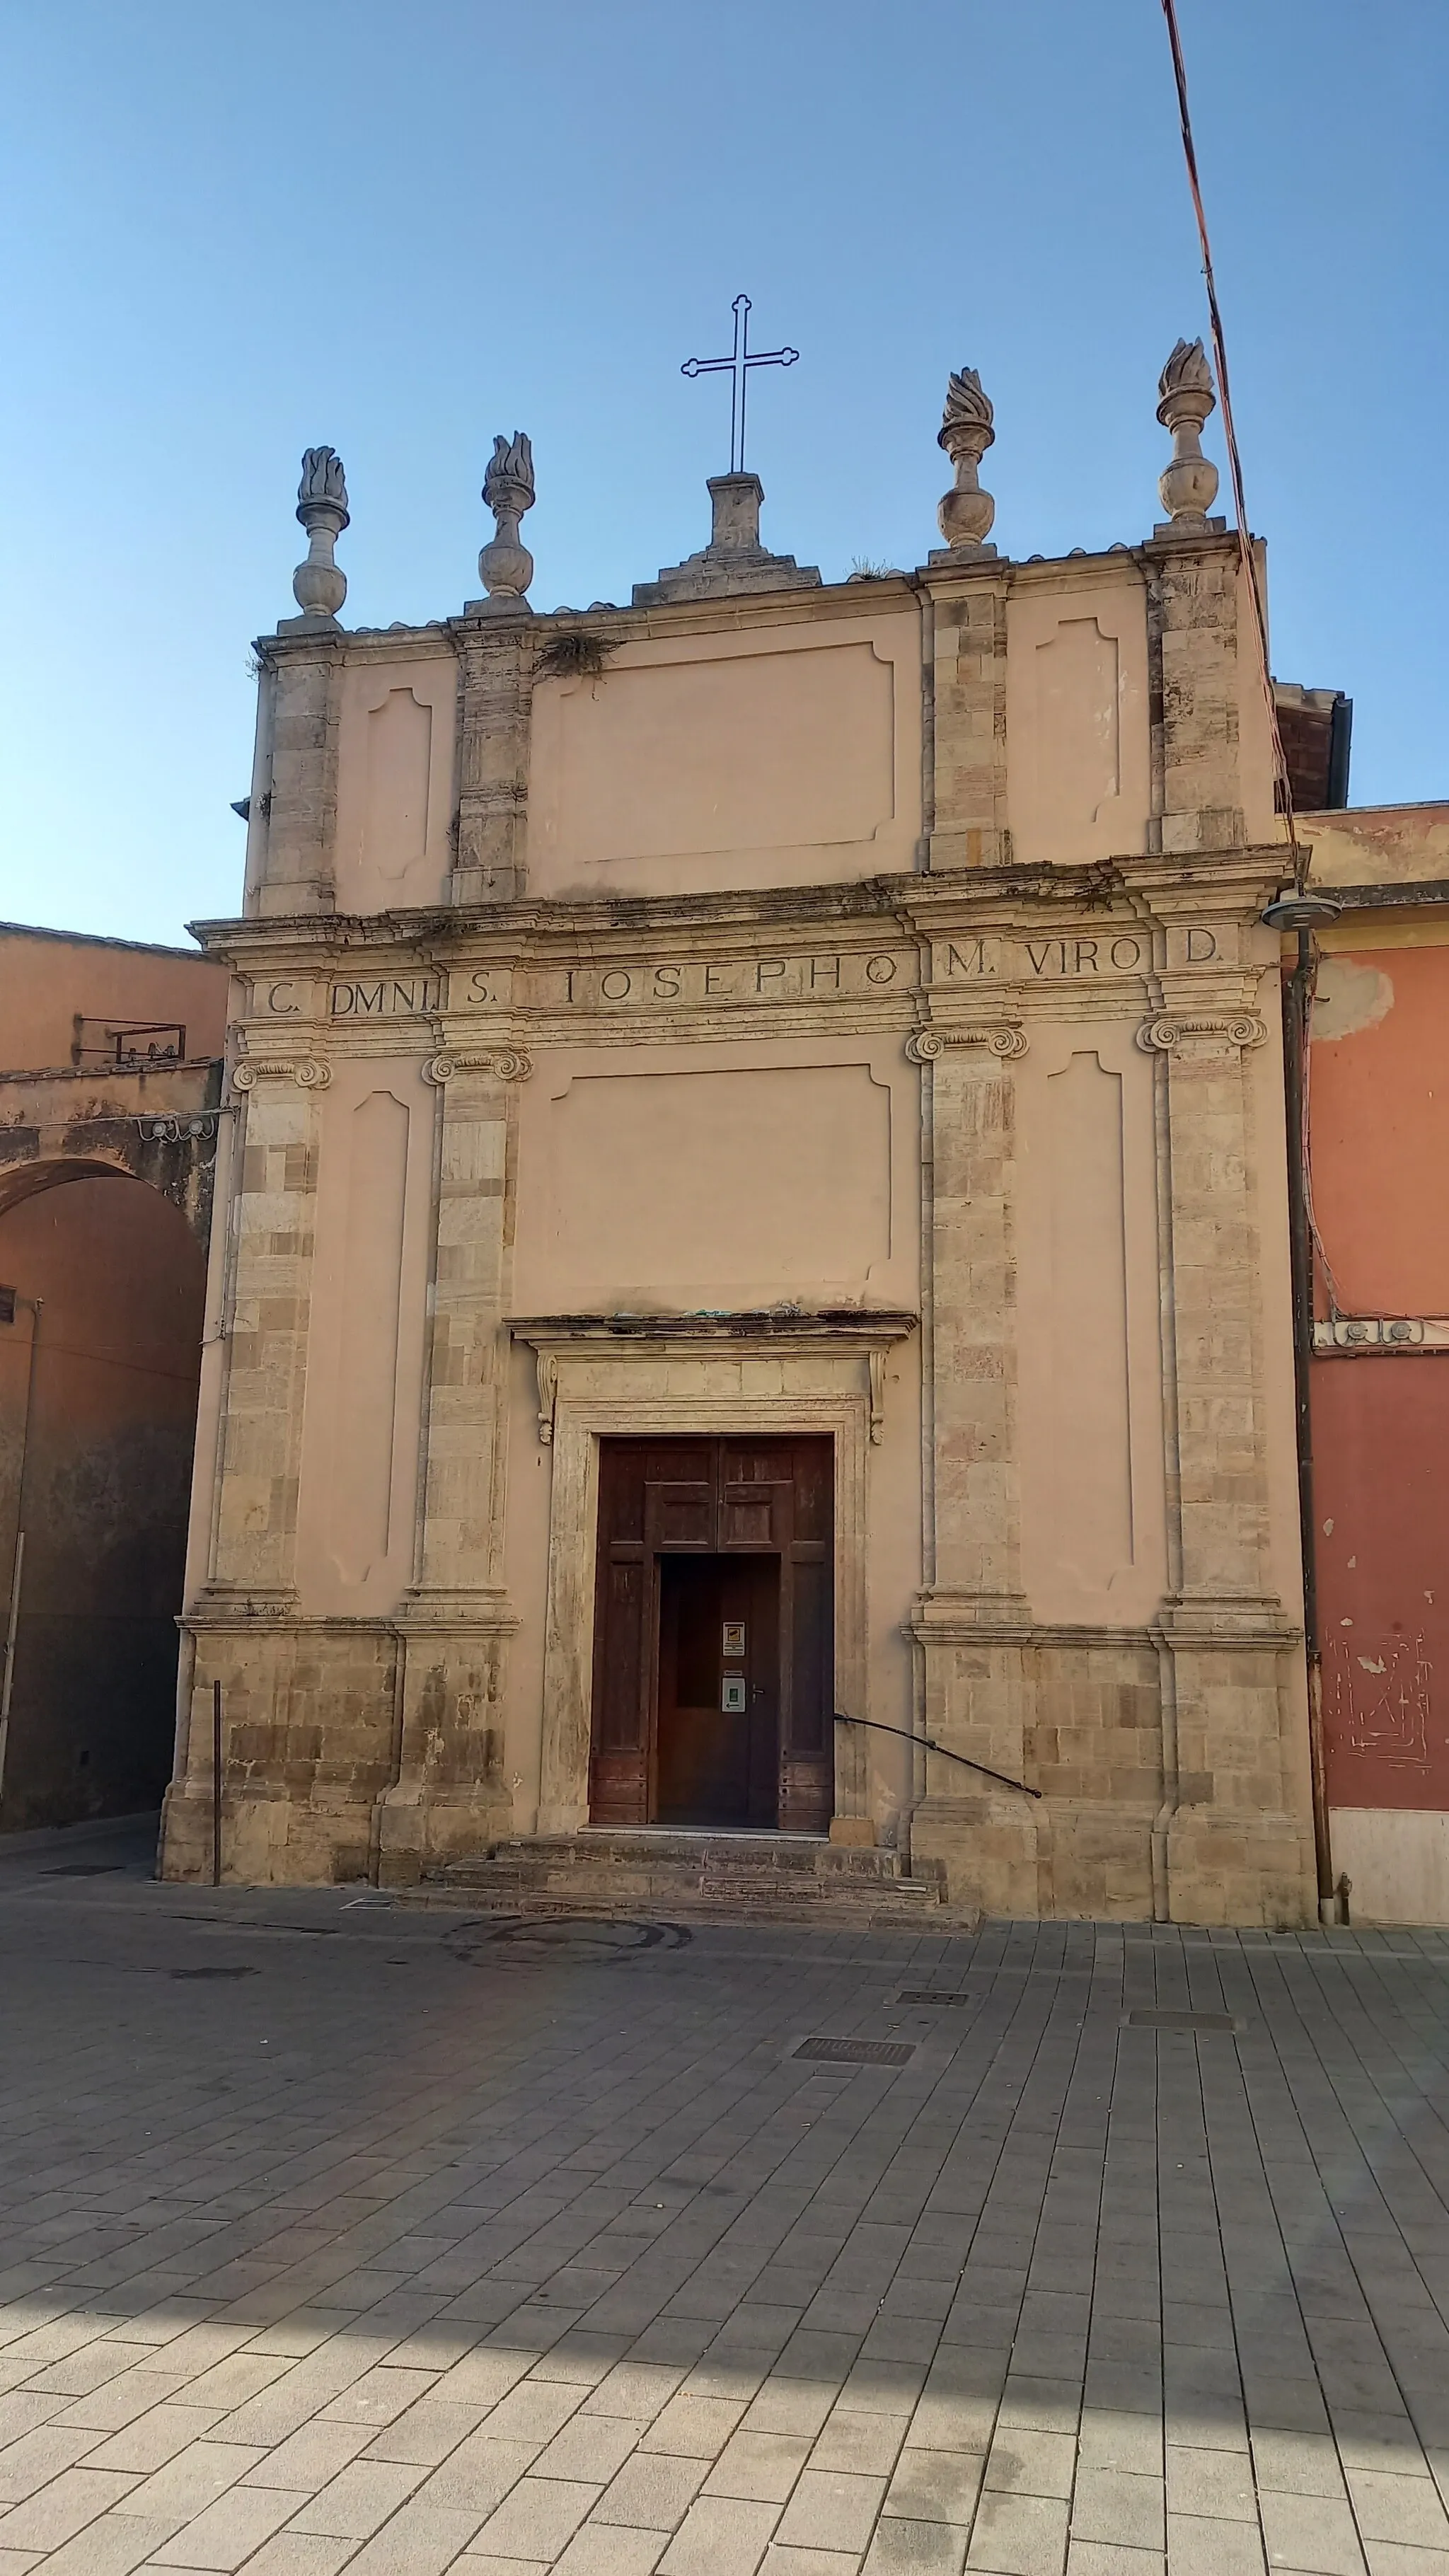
936 2486
1315 2533
536 2519
1199 2546
420 2540
1390 2558
1019 2535
229 2531
612 2549
831 2509
1109 2558
759 2467
720 2536
1210 2482
916 2549
1404 2509
115 2545
1028 2462
1119 2507
293 2553
653 2491
351 2505
781 2560
57 2511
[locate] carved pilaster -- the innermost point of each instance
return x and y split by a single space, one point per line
972 1621
452 1791
274 1218
1201 669
968 627
1236 1834
293 872
495 726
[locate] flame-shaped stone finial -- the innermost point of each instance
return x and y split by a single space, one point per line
966 432
1185 397
505 566
319 585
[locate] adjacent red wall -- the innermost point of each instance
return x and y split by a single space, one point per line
1381 1501
1379 1134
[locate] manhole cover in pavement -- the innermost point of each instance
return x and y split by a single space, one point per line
584 1939
857 2052
1143 2019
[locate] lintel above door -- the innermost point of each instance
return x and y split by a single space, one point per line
779 1331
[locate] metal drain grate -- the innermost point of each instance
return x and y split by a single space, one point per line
1143 2019
856 2052
923 1995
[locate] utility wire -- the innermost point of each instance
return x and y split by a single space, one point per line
1235 464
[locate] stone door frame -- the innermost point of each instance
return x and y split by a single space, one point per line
595 1384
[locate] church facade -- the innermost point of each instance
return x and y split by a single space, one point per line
752 1236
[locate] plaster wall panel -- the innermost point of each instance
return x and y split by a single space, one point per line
1078 779
690 763
1091 1409
682 1179
359 1442
1396 1861
1381 1498
1378 845
395 783
1380 1106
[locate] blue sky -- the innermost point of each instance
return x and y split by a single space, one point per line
232 232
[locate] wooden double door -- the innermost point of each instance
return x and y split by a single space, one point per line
714 1635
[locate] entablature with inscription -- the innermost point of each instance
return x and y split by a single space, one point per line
1174 945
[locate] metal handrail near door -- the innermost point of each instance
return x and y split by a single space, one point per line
928 1745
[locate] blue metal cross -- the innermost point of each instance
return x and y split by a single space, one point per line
741 359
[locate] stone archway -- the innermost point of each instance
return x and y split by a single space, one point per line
158 1126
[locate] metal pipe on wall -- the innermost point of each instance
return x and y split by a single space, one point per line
1297 1017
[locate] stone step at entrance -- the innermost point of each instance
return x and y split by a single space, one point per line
757 1877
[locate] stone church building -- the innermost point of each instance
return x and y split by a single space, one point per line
752 1240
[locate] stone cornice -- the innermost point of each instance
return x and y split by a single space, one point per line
733 613
779 1326
1233 883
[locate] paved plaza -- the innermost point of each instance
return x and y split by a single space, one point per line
340 2234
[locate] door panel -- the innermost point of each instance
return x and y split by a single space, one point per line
717 1765
753 1513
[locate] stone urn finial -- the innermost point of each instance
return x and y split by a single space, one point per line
966 512
319 586
1189 485
505 566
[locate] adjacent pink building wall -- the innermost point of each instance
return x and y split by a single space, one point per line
49 981
1379 1131
121 1281
120 1277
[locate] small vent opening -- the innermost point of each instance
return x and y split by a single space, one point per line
856 2052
